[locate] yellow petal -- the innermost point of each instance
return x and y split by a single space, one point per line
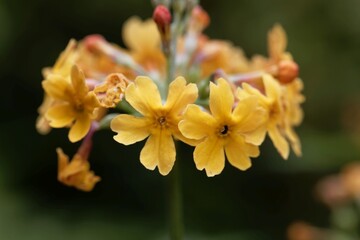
91 101
78 82
294 141
209 155
279 141
256 136
63 159
143 95
140 35
272 87
245 107
57 87
130 129
196 124
60 115
180 95
237 155
277 42
80 128
221 99
159 150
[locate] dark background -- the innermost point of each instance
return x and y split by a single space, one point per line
130 201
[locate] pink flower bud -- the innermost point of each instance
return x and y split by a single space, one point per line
162 18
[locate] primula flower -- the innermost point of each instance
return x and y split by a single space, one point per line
237 132
277 124
76 173
75 104
159 122
61 67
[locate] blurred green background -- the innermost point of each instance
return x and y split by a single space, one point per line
130 201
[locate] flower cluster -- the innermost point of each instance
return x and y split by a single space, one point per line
173 83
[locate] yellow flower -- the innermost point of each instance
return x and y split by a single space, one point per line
76 173
237 132
61 67
159 122
279 122
143 40
75 104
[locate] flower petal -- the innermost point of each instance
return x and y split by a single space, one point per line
180 95
294 140
78 82
143 95
272 87
209 155
196 124
257 136
130 129
140 35
91 101
237 154
221 99
80 128
60 115
279 141
159 150
57 87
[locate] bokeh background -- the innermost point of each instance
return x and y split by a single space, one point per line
130 201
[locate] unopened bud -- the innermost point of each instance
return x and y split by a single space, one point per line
199 19
287 71
91 42
162 18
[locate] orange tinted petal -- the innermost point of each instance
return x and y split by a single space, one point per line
279 141
60 115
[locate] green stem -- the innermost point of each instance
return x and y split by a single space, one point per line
176 210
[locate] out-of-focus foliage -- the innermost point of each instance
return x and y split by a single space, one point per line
130 202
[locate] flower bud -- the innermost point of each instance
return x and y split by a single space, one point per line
199 19
162 18
287 71
91 42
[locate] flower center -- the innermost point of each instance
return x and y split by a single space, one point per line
162 121
224 130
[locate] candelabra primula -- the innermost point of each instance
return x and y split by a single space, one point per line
218 101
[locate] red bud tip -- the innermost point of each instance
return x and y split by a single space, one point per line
287 71
91 42
200 18
162 17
